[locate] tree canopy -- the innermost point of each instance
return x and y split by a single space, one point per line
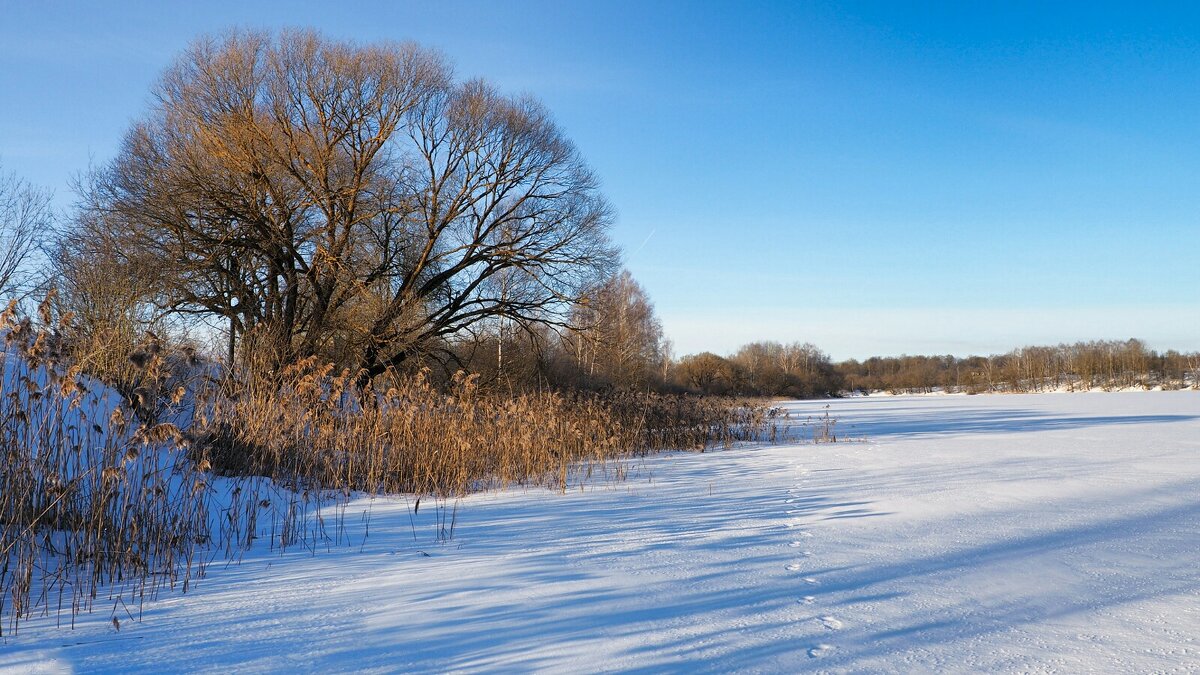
353 201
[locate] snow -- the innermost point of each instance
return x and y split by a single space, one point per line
1032 533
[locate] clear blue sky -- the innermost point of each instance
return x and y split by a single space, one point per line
876 178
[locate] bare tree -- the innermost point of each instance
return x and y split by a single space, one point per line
618 339
795 369
24 215
707 373
355 201
108 295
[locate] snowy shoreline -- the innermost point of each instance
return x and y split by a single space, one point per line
967 533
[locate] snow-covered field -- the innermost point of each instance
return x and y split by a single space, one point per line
1028 533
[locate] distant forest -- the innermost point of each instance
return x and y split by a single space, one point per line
1105 364
804 371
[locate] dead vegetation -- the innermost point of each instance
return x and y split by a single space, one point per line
91 498
314 428
108 497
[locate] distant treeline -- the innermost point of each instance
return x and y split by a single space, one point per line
1104 364
801 370
804 371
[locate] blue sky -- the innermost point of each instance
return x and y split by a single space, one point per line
876 178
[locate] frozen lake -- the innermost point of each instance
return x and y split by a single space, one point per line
1031 533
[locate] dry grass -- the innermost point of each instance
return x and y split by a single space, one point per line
313 429
104 501
86 503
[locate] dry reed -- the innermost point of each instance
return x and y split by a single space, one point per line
91 499
313 429
112 497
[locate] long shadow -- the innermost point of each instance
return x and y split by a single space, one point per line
1173 574
1121 529
566 597
967 421
561 560
494 635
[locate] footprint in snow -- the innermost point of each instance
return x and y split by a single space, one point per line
819 651
807 600
798 544
810 580
794 567
831 623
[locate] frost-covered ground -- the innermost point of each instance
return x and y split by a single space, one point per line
1027 533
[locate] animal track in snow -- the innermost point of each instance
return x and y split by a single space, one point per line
795 567
798 544
807 600
819 651
831 623
810 580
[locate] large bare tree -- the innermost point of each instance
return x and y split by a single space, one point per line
331 198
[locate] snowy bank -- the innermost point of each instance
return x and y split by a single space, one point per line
983 533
